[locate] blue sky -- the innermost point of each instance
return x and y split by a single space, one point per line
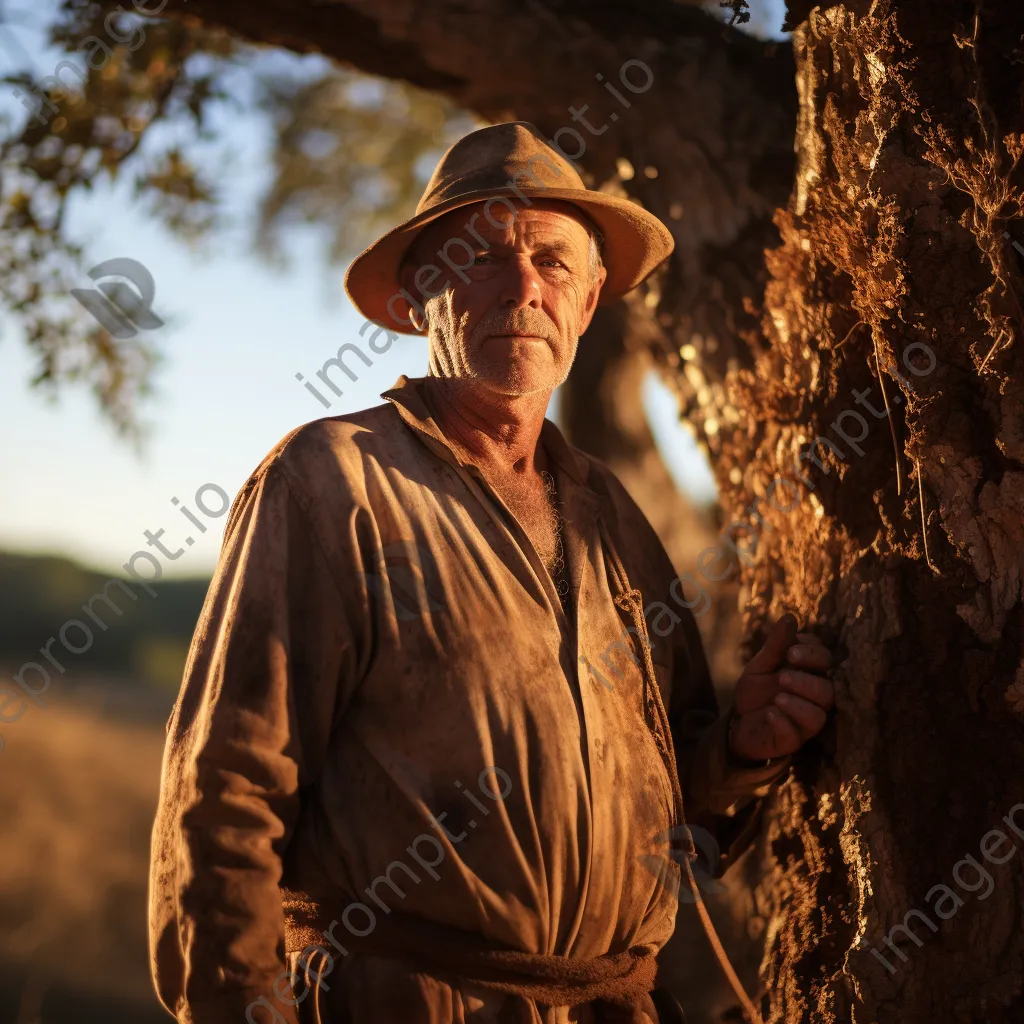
236 333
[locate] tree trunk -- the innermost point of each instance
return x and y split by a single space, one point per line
899 534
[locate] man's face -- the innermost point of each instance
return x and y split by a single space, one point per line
511 318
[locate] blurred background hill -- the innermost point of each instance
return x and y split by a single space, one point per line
145 647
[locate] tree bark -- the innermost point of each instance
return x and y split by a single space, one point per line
902 538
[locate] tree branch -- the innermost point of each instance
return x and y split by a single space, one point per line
707 146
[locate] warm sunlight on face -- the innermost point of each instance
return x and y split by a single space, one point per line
510 319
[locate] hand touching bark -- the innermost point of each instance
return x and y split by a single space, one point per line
783 696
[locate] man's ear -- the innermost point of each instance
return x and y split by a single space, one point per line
592 298
407 279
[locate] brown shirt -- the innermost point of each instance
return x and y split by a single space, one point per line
384 686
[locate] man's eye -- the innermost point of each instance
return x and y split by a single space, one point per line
482 257
551 262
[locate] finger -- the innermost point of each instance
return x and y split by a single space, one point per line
805 715
813 656
779 639
816 689
786 736
766 733
755 691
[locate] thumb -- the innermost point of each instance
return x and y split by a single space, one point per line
780 638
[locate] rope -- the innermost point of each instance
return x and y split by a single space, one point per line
630 601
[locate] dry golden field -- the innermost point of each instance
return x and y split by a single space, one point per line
77 803
80 781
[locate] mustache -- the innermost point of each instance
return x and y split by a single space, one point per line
515 321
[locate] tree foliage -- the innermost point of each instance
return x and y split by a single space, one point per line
351 154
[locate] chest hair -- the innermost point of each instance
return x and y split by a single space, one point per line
529 502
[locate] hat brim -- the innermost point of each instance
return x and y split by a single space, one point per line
635 242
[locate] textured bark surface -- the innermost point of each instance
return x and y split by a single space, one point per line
893 248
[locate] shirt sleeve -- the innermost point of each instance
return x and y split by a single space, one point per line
270 670
719 795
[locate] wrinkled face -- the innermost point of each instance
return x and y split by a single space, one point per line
508 305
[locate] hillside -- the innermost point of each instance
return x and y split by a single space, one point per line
145 645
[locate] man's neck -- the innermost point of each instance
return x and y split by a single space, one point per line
493 430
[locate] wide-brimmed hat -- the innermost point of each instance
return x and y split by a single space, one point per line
505 160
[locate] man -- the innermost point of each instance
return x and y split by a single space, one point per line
427 735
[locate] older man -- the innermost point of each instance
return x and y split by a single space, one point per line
427 737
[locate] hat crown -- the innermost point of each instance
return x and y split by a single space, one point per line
493 159
501 161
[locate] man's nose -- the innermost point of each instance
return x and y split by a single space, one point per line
520 284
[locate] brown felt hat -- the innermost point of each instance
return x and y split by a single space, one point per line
505 160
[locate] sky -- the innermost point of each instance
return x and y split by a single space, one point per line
236 332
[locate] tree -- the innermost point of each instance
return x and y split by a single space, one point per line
842 330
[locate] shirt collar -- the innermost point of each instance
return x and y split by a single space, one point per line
408 401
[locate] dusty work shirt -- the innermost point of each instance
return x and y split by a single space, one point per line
383 657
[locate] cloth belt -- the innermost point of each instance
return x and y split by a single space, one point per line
617 984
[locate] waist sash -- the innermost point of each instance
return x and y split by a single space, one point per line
618 982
